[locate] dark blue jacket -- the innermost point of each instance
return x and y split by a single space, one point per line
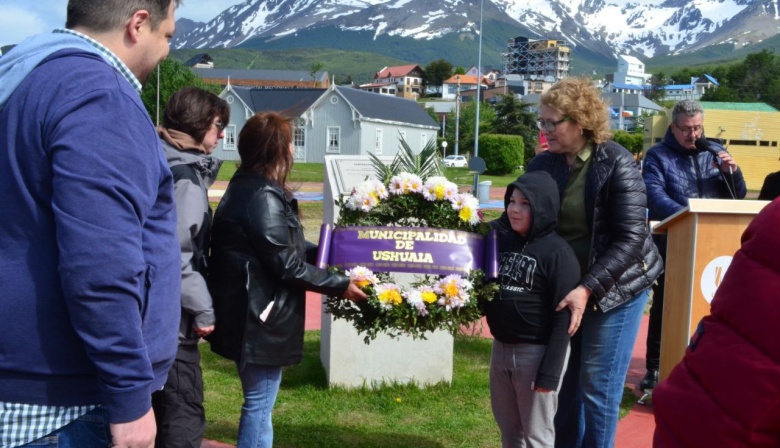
673 174
89 273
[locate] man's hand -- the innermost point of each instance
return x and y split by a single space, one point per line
136 434
727 163
576 300
203 331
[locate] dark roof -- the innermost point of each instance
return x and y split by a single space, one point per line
291 102
388 108
257 75
200 58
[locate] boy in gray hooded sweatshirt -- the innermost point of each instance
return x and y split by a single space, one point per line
537 268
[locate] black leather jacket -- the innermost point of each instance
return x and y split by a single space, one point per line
623 260
258 275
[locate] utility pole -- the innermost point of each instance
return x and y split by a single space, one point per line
457 113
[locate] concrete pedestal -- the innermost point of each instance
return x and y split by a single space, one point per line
349 362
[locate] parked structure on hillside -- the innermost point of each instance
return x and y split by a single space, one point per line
540 58
692 91
337 120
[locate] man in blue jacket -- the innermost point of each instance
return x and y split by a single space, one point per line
90 258
683 165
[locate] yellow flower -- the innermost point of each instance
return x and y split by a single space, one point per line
362 283
429 296
390 296
451 290
465 214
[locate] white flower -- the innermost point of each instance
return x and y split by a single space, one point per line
438 188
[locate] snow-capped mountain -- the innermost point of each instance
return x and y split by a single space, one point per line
609 27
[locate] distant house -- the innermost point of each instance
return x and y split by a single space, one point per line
200 60
281 79
692 91
630 70
405 81
337 120
462 83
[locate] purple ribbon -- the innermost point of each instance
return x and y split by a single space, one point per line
402 249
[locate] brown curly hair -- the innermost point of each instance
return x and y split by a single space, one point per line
578 99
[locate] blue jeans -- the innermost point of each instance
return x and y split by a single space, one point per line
91 430
589 400
260 385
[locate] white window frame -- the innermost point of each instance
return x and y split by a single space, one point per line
423 140
333 131
378 142
229 142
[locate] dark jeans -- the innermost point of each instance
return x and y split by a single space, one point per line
653 356
91 430
178 408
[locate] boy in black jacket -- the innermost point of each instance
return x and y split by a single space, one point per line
531 344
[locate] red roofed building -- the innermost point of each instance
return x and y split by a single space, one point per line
405 81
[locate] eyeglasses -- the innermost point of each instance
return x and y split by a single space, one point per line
690 130
549 126
220 126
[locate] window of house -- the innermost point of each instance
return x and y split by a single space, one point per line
423 140
334 139
378 142
229 142
299 137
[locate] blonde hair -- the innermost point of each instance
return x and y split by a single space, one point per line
579 100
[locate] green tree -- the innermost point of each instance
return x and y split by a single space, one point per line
467 126
502 153
436 73
172 77
315 67
631 141
513 118
656 91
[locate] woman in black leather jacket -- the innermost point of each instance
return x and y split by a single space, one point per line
604 217
258 274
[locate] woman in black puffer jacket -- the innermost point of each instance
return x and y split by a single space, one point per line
604 217
258 275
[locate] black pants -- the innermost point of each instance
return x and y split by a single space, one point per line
178 408
653 356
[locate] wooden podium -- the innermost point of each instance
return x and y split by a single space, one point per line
702 239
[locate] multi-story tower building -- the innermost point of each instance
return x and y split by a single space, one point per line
537 59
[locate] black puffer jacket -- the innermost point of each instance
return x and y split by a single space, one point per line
623 260
258 275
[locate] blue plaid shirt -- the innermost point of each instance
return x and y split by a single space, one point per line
24 423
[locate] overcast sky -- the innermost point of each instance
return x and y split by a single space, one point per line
22 18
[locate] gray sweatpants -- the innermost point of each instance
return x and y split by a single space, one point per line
525 417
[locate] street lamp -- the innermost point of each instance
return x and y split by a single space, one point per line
457 113
479 88
444 148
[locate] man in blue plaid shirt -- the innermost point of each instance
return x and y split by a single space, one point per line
90 266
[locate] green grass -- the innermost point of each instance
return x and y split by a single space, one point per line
309 413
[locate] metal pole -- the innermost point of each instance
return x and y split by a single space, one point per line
457 114
157 109
479 90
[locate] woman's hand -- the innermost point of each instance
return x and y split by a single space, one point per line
576 300
542 390
354 293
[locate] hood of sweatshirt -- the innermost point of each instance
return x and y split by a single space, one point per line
23 58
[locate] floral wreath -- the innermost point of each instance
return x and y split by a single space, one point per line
430 302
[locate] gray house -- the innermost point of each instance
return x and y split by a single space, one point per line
338 120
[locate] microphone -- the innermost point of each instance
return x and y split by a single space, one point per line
702 144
